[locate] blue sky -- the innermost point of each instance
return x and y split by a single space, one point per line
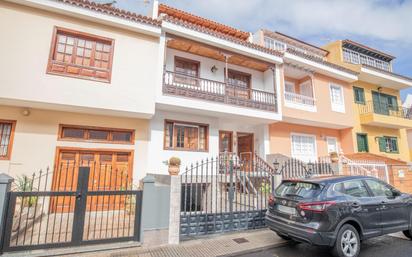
382 24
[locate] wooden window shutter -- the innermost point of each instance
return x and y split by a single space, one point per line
382 144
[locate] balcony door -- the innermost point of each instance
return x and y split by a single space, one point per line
383 103
239 84
187 71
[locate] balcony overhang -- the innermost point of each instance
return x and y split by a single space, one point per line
379 120
384 79
221 43
320 68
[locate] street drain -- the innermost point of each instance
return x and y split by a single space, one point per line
240 240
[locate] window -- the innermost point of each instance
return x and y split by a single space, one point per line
81 55
274 44
185 136
187 71
355 188
336 98
304 147
362 141
378 188
332 143
354 57
388 144
6 138
289 87
359 95
76 133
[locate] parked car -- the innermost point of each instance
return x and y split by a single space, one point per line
338 212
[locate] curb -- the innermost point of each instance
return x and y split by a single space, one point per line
254 250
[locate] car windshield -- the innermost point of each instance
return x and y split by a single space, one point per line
298 189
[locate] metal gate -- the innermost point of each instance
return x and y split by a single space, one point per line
224 194
78 206
366 168
294 168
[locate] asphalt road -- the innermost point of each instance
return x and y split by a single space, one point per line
385 246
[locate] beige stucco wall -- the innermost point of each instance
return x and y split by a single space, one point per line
26 35
324 113
35 139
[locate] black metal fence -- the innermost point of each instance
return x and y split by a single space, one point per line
224 194
295 168
72 206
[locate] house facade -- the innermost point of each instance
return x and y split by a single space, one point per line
380 120
316 101
75 88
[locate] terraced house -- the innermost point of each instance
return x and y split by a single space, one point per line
99 97
380 120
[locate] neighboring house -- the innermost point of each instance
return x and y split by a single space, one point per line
380 120
78 85
219 92
407 104
316 101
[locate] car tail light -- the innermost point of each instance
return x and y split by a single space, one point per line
271 200
316 206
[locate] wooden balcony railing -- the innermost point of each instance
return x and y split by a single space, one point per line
383 108
299 99
194 87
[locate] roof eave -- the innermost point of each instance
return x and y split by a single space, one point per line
87 14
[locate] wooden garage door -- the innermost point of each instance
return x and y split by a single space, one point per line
109 171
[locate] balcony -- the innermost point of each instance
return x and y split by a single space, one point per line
215 91
299 101
385 115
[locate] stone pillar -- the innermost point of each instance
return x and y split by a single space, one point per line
337 167
277 179
174 217
5 185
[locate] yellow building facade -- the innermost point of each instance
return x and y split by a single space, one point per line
380 120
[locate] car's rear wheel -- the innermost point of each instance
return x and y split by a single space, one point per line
347 242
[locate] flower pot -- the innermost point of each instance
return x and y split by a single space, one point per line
174 170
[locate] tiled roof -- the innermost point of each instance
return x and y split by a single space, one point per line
387 72
200 21
110 10
347 41
320 60
217 34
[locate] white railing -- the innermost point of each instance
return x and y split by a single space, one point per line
299 99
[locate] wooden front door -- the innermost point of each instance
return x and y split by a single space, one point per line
245 149
108 171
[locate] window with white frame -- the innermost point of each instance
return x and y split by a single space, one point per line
354 57
275 44
304 147
336 98
332 143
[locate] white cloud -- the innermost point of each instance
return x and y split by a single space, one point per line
385 20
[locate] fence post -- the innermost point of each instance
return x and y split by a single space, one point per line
337 167
277 179
174 217
5 186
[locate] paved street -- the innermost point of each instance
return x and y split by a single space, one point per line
378 247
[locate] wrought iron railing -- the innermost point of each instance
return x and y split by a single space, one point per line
299 99
195 87
385 109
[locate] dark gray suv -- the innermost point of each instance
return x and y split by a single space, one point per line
338 211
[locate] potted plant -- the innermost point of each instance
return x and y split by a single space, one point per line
174 166
334 157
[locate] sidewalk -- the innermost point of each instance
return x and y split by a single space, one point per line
216 245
